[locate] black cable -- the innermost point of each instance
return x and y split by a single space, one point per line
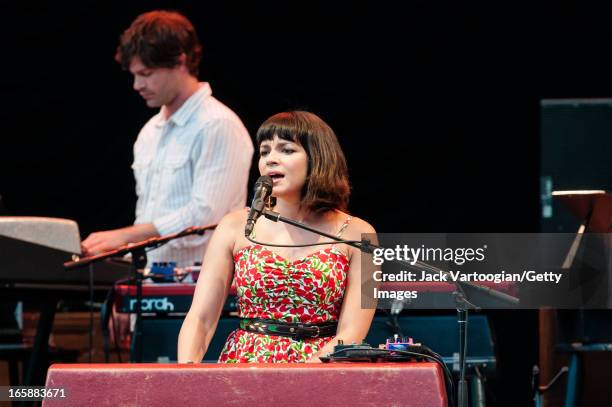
448 378
431 352
302 245
447 374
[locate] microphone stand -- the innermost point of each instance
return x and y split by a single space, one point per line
139 262
461 300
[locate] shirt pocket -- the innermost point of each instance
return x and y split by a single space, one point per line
176 161
178 157
177 176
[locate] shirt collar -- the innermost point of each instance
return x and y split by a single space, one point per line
182 115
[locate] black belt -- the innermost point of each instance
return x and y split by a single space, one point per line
296 331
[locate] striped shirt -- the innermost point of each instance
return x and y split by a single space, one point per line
190 170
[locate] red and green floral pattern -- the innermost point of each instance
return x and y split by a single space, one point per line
306 290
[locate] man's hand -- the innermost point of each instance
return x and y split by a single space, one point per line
100 242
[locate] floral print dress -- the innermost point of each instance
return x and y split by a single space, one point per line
306 290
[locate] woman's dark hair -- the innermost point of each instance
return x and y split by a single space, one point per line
327 185
159 38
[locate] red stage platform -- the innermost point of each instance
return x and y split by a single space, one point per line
354 384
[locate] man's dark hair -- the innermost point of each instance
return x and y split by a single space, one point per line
159 38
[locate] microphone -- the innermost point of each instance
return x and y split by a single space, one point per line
263 190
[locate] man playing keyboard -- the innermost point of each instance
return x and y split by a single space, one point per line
192 159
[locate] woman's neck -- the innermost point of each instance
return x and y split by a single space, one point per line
291 209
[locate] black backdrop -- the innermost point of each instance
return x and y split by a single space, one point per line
435 104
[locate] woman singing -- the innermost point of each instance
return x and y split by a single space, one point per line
294 303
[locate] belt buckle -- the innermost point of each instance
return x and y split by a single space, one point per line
318 332
306 331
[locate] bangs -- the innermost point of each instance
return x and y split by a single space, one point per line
285 126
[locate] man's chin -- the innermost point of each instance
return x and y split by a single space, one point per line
152 103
